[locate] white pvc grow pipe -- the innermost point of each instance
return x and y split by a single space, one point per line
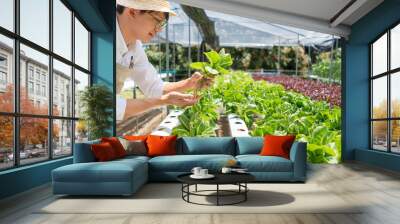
169 123
237 126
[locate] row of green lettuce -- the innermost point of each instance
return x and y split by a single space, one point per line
266 109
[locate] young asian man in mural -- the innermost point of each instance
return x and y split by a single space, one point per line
138 21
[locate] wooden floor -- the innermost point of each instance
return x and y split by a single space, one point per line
378 188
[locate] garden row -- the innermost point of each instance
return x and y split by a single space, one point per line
316 90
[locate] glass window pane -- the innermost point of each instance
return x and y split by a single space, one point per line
33 140
81 81
379 97
34 72
62 138
395 138
7 14
395 47
395 94
62 29
6 74
379 135
81 45
81 131
62 89
379 55
35 21
6 142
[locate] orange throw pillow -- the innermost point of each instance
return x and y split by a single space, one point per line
116 145
161 145
135 137
277 145
103 152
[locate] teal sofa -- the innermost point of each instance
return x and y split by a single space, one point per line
125 176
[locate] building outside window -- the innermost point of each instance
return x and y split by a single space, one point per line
3 71
30 72
3 78
30 87
44 77
44 91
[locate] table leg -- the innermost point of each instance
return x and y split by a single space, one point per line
196 188
188 190
217 194
245 193
182 189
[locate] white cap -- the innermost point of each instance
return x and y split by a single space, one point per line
154 5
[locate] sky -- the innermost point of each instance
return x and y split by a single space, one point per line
35 27
395 45
379 59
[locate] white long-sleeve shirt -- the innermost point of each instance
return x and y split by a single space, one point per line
133 64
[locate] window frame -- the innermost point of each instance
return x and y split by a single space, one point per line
16 114
388 74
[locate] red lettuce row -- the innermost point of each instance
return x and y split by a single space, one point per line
316 90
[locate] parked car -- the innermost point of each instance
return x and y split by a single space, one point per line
22 155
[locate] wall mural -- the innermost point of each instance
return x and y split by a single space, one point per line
240 103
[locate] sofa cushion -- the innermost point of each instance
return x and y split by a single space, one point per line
249 145
134 147
210 145
277 145
161 145
135 137
112 171
116 145
257 163
103 152
185 163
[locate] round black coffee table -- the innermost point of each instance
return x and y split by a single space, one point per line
238 179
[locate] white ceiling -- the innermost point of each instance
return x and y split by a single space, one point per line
314 15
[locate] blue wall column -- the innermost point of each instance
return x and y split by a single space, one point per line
103 63
356 98
356 84
103 53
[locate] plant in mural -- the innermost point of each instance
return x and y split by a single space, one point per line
218 64
200 119
315 89
327 68
245 58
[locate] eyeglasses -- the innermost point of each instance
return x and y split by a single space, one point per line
160 23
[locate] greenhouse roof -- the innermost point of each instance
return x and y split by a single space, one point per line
308 22
235 31
325 16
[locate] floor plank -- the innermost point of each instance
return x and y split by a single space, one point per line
376 188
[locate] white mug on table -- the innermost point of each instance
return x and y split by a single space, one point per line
203 172
226 170
196 171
